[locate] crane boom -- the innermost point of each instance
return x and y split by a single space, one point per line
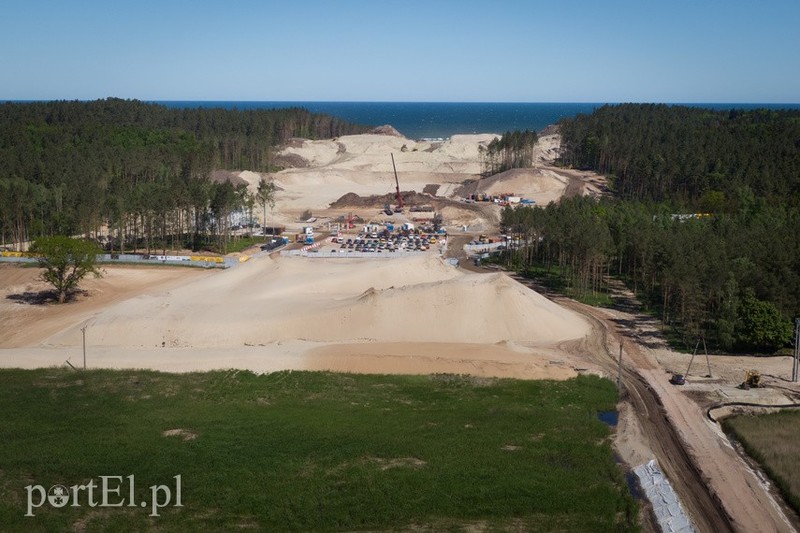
397 184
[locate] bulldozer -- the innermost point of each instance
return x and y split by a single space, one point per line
752 379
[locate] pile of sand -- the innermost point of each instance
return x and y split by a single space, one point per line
326 170
265 302
541 185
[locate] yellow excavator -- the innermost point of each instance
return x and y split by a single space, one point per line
752 380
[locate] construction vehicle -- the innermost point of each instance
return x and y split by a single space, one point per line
399 208
752 380
680 379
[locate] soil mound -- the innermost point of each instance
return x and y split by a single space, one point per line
387 129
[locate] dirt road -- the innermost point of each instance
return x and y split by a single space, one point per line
716 486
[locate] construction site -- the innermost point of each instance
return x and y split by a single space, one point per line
371 275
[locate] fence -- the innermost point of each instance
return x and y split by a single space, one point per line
200 261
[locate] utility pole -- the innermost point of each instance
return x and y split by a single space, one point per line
83 330
796 361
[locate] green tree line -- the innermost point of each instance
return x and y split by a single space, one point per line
696 157
141 169
732 278
514 149
703 225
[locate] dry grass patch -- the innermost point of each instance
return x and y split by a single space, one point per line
184 434
773 441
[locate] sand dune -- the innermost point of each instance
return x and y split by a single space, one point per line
403 300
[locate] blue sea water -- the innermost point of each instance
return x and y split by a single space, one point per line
417 120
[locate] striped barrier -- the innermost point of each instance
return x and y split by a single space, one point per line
311 246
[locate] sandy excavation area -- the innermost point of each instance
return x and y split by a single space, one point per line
318 173
409 315
414 315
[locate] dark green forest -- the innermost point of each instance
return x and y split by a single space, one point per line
693 157
514 149
142 169
703 225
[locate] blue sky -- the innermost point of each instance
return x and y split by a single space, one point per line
411 50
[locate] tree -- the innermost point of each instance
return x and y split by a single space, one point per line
66 262
762 326
265 195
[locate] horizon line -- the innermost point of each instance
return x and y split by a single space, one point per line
25 100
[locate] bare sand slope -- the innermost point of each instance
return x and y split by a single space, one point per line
406 315
23 323
399 300
322 171
372 152
538 184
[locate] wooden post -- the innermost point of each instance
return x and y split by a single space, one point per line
83 330
619 369
796 362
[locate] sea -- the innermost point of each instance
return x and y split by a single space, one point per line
441 120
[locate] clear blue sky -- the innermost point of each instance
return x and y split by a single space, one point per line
410 50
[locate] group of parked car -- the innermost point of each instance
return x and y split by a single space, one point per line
391 243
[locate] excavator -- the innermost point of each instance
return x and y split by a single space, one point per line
752 380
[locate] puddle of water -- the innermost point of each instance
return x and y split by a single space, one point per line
631 479
634 486
609 417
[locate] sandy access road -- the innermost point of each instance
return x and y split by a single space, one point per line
719 488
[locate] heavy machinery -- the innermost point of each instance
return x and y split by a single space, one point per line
752 380
399 208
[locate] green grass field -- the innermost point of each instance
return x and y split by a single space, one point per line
774 441
312 451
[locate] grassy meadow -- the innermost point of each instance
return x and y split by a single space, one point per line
311 451
774 441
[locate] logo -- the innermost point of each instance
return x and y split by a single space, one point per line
58 496
111 491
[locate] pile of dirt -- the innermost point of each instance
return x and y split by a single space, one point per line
352 199
221 176
431 188
286 160
410 198
387 129
541 185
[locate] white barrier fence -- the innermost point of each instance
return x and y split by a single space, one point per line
200 261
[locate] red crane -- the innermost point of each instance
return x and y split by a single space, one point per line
397 184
